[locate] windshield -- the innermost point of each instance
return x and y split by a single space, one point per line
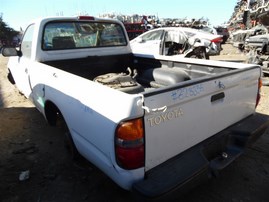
73 35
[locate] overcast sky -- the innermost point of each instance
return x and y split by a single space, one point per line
18 13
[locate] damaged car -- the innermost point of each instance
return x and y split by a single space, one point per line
239 37
258 51
257 45
180 41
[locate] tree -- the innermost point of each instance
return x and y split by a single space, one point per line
6 33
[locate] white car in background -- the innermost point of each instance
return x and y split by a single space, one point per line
183 41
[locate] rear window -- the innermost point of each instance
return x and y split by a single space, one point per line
76 35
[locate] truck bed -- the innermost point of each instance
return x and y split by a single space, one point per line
147 73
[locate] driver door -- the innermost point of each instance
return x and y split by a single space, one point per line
149 43
20 66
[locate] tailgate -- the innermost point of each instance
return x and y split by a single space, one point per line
196 110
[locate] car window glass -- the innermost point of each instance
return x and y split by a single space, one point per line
74 35
189 34
175 36
155 35
26 44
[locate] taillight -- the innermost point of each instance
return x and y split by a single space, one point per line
129 144
259 92
85 18
217 40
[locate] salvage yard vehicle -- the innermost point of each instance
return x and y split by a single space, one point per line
135 29
182 41
258 51
239 37
223 30
154 125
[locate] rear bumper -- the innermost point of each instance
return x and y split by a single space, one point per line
202 161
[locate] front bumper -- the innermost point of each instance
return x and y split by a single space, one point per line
202 161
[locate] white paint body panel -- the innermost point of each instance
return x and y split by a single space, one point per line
92 112
191 117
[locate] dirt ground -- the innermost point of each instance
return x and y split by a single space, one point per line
29 146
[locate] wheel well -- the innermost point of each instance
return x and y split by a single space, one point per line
53 114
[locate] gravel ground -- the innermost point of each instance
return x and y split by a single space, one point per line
28 144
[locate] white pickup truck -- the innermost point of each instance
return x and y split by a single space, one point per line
153 125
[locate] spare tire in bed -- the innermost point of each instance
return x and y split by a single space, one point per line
120 81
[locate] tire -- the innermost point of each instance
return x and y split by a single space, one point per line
224 39
56 119
10 78
199 53
68 140
75 156
71 146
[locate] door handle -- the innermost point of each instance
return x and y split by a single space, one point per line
217 96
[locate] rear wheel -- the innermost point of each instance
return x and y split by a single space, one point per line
71 146
199 53
68 140
55 118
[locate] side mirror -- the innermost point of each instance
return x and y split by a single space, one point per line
7 52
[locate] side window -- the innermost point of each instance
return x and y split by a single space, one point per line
26 44
155 35
175 36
